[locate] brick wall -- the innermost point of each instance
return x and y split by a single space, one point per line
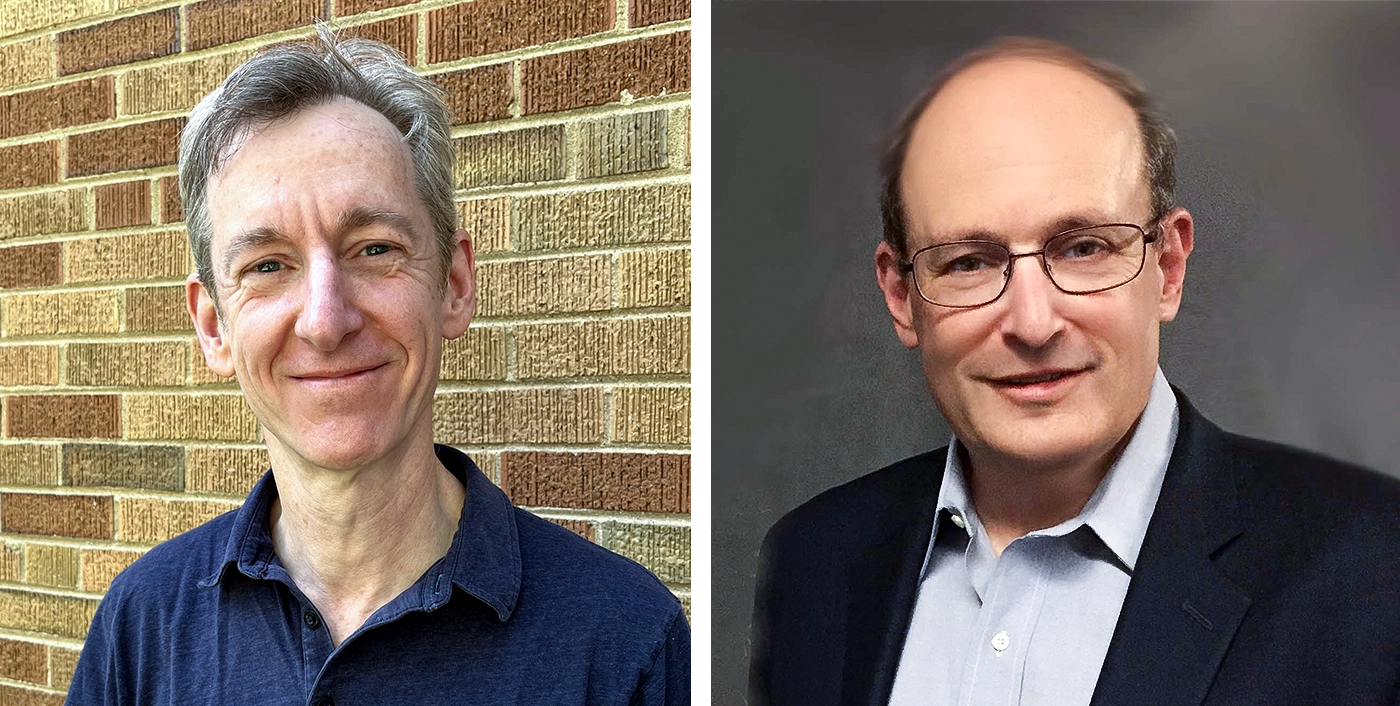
571 389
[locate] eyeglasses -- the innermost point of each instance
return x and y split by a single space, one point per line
969 273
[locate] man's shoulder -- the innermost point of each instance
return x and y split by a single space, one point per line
163 574
1289 482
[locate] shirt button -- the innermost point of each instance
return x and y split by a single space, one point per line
313 621
325 701
959 521
1001 641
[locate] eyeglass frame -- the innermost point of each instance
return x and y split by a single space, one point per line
1149 236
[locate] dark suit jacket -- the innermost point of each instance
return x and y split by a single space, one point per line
1268 575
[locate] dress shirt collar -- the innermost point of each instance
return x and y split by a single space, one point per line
484 559
1119 509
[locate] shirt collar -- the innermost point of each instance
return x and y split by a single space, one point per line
1120 507
484 559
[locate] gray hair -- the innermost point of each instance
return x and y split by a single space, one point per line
291 77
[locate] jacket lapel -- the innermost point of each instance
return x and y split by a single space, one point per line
1180 612
883 584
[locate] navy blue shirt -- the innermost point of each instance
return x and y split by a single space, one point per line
520 610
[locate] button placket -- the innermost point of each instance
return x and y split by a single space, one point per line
311 619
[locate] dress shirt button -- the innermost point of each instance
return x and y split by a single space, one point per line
1001 641
959 521
325 701
313 621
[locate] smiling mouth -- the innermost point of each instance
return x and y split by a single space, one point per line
1036 378
338 375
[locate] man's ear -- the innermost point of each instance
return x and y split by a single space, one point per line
898 290
459 301
207 328
1178 237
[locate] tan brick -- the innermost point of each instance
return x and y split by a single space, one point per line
119 41
24 661
11 562
651 415
88 516
200 373
205 417
488 222
28 365
225 470
31 265
124 204
15 696
64 616
43 213
151 521
641 13
652 346
654 278
531 155
623 144
609 217
353 7
71 416
127 364
32 164
157 255
401 33
116 465
16 17
62 664
65 105
479 355
215 22
664 549
157 309
541 416
100 566
479 94
22 62
490 26
171 208
53 313
139 146
29 464
555 285
598 481
51 565
646 67
582 528
178 85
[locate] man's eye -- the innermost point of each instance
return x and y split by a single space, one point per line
378 249
966 263
1084 247
267 267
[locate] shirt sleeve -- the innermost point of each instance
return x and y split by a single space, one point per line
95 681
667 683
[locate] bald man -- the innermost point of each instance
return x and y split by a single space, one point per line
1087 536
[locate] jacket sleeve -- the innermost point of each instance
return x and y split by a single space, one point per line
667 683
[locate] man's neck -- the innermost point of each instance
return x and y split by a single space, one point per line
352 540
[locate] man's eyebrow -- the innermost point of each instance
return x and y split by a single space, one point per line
249 240
1055 227
363 217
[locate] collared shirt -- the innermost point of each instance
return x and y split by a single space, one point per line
1032 625
519 611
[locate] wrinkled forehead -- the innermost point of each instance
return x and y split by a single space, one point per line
1012 143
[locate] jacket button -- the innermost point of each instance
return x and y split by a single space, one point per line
325 701
313 621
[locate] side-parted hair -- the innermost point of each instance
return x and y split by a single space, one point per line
1159 141
291 77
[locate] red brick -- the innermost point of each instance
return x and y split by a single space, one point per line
24 661
400 33
139 146
15 696
31 265
215 22
33 164
119 41
582 528
479 94
641 13
66 416
598 481
490 26
87 516
355 7
646 67
124 204
171 209
76 103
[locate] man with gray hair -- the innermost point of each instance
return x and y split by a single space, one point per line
368 566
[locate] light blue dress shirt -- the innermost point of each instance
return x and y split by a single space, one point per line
1031 626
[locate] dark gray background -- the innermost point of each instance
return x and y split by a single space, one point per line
1286 116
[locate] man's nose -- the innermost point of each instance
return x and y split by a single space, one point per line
1030 299
328 311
